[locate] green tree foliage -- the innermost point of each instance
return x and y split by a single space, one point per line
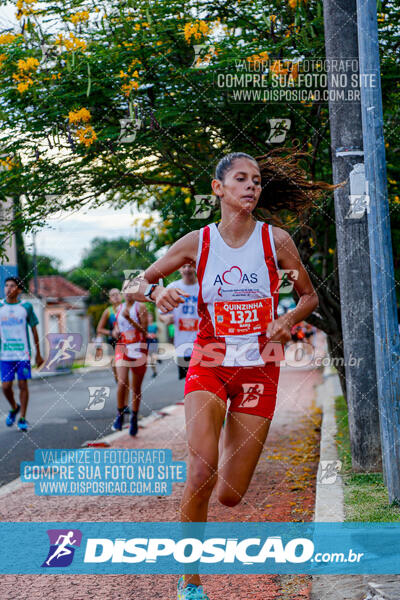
95 311
46 265
102 267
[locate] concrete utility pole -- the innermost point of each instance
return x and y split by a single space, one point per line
340 17
384 314
35 269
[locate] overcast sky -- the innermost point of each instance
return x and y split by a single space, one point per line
68 237
7 16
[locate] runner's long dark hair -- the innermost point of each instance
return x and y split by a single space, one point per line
285 183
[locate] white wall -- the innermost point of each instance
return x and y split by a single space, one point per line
79 323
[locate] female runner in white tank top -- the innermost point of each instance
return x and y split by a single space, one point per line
130 354
239 339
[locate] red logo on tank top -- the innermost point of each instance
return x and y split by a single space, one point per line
234 276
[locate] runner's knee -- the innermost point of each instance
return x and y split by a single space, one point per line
229 497
201 476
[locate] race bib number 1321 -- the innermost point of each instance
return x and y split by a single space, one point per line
242 318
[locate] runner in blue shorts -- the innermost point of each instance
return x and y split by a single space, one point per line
15 352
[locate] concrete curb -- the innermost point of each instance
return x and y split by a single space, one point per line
145 422
15 484
329 507
388 589
11 486
329 500
38 375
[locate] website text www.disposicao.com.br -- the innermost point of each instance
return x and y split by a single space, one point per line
212 550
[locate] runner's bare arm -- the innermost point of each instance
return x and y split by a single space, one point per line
101 327
181 252
289 259
38 358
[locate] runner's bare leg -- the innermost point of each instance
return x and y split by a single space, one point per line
9 393
23 395
123 385
244 437
204 413
137 378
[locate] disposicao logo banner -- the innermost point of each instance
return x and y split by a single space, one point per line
156 548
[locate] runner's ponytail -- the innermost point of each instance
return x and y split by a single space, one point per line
285 185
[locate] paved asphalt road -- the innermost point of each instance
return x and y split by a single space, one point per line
58 419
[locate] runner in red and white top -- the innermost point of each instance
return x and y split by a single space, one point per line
238 294
237 268
130 354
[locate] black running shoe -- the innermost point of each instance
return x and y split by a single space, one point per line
133 429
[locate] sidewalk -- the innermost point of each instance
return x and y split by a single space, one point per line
283 489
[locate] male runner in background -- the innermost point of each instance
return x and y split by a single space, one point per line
185 318
15 352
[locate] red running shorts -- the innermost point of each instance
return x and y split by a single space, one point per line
251 389
121 359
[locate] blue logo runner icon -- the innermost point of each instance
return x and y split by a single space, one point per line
63 348
61 551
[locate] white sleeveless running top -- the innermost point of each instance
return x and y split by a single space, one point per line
130 336
238 293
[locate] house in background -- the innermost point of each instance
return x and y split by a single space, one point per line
60 307
59 304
